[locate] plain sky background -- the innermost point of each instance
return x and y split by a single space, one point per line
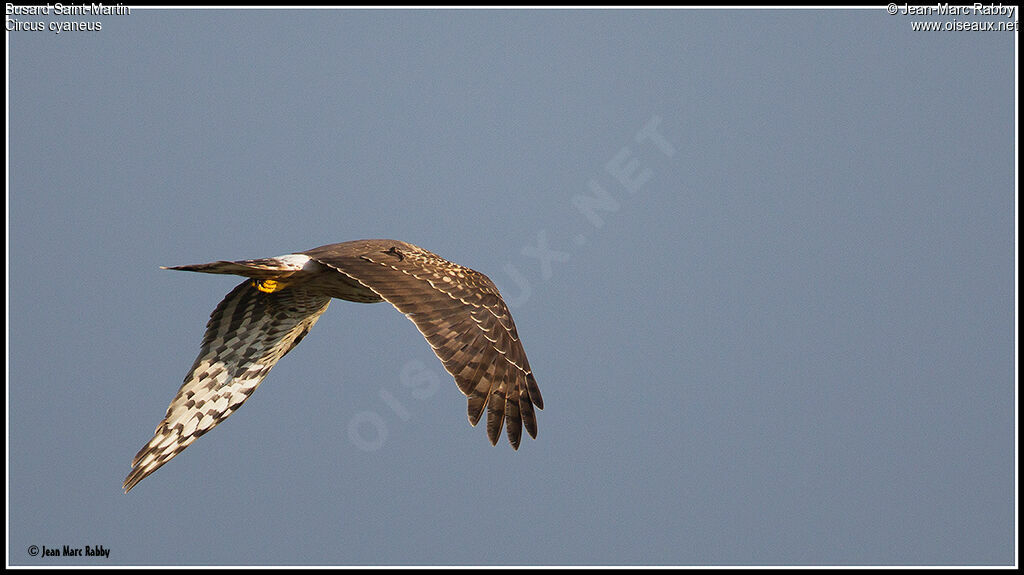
791 342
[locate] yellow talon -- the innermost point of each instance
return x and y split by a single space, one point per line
268 286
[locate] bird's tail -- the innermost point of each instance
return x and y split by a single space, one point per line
264 268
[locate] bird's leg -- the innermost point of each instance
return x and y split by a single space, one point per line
268 286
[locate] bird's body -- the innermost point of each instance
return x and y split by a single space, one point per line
458 310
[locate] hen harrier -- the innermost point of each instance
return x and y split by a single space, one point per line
459 311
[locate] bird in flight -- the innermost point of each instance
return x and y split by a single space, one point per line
458 310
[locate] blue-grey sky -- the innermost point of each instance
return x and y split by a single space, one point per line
762 263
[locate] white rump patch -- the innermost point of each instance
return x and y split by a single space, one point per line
293 261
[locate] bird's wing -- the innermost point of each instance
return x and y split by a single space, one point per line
461 314
246 335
